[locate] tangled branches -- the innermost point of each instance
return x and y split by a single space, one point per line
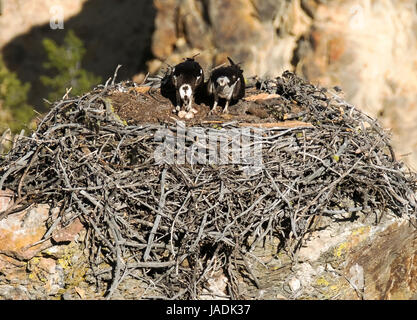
173 225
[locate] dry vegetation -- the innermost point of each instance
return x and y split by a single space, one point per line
174 225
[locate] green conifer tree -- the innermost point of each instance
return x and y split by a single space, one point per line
66 61
15 113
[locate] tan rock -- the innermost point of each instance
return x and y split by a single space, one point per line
195 29
47 273
365 48
20 16
6 199
12 268
165 36
68 233
294 284
346 260
19 231
9 292
388 260
245 30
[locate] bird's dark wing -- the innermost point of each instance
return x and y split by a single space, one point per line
239 90
210 86
200 78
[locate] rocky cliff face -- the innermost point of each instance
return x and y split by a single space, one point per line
113 32
19 16
368 48
355 261
365 47
261 34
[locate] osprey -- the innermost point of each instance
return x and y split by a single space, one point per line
227 83
187 77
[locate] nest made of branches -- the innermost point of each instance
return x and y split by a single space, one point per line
173 224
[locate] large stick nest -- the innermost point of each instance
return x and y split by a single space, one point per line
174 224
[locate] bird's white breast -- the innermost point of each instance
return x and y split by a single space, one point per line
224 90
185 91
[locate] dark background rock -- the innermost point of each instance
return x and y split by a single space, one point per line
114 32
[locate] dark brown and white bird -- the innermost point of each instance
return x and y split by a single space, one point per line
187 78
226 83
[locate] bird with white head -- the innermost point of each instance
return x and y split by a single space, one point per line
227 83
187 78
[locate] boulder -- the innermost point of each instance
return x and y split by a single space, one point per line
345 261
20 231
